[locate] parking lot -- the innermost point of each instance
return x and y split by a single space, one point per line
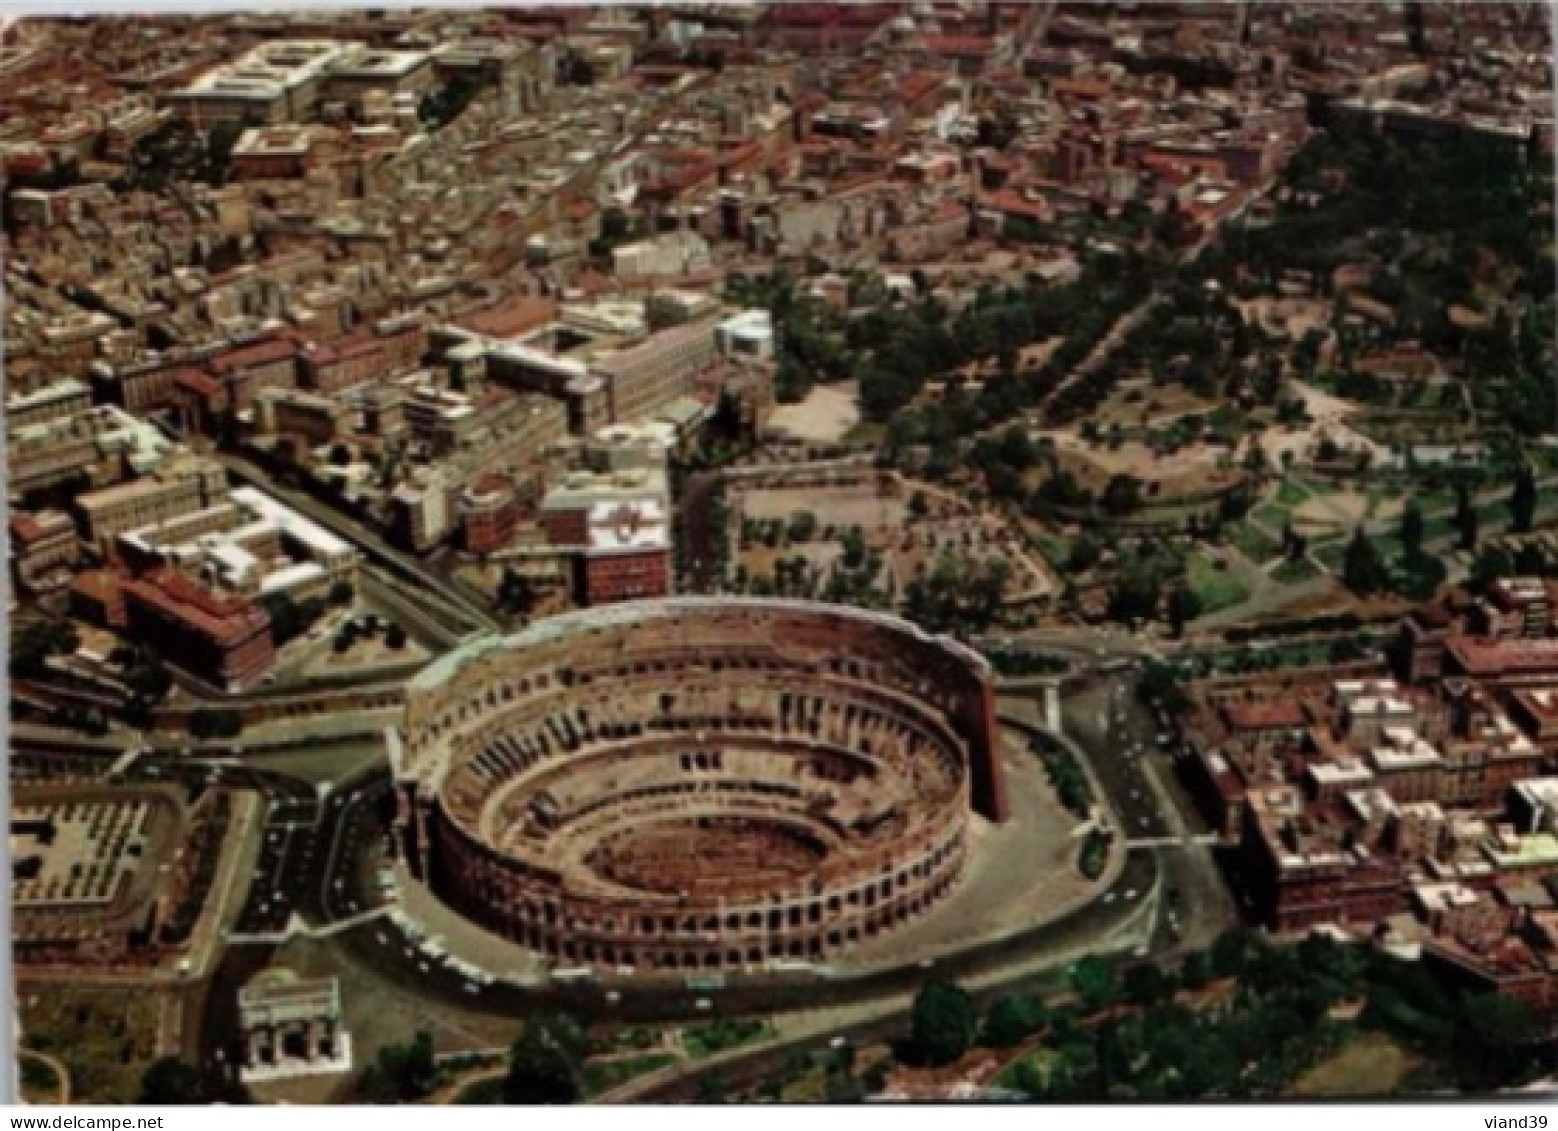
288 857
352 833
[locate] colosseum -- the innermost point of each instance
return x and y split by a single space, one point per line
697 784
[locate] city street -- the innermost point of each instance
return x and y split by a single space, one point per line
1132 751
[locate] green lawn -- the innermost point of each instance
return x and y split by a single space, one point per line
1434 501
1055 549
717 1036
105 1038
1216 588
1291 493
1273 516
604 1075
1253 542
1439 526
1295 572
1332 554
866 433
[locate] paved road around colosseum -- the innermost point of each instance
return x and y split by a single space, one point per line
1019 873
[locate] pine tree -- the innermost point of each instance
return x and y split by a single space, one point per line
1412 530
1466 520
1363 570
1522 501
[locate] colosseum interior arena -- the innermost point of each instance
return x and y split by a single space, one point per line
697 784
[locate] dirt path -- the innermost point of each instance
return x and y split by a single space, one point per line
447 1094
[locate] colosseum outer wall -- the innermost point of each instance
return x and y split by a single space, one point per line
526 763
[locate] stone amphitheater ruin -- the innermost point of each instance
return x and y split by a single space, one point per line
697 783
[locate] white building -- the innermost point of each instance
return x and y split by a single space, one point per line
749 334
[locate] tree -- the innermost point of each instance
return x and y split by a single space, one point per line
615 225
1094 981
1363 569
289 619
88 719
36 641
1183 606
1012 1019
220 143
1083 555
1295 545
168 1081
546 1062
959 596
1196 971
219 722
515 593
1465 520
1136 592
1122 495
1147 985
942 1023
1490 564
802 528
1233 951
147 677
1522 500
402 1073
577 70
1412 530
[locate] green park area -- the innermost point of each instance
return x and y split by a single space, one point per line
1214 584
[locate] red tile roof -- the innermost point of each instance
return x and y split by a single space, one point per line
1492 657
1264 716
245 357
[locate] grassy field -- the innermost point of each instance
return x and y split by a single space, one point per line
1216 588
105 1039
1291 493
1369 1065
1332 554
1295 572
1253 542
865 433
1055 548
604 1075
1273 516
717 1036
